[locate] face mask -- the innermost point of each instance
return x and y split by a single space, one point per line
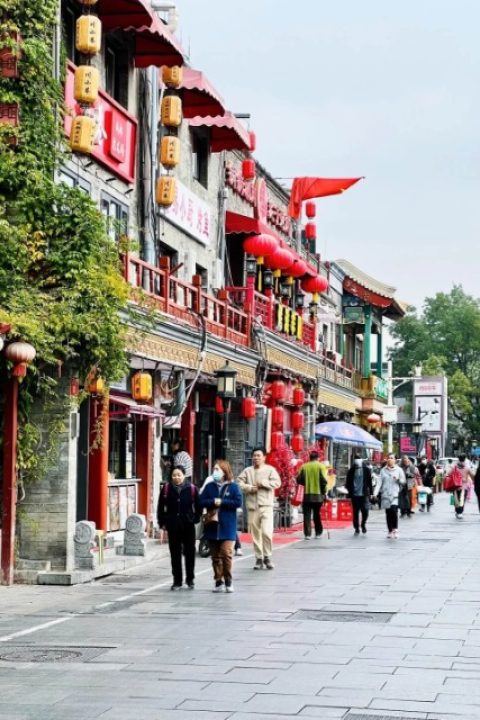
358 462
217 475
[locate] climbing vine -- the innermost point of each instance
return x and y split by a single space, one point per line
61 287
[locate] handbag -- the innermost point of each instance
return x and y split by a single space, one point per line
299 495
210 516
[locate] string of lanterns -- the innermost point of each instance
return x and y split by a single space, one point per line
171 116
278 392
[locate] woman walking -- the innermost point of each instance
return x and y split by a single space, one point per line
221 498
461 485
177 512
392 479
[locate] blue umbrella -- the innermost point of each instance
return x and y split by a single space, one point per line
347 434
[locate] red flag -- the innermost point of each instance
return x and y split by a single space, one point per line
305 188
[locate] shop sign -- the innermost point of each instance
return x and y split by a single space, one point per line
381 388
407 446
354 315
256 195
190 213
116 138
428 386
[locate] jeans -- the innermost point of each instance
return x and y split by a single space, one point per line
360 504
308 508
181 540
391 516
459 496
222 560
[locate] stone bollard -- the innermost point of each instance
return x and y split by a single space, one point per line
84 543
134 537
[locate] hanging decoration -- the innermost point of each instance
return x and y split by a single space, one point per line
249 408
171 117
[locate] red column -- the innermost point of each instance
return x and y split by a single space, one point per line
98 463
188 428
9 480
143 466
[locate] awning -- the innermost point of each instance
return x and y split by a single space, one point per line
129 406
238 223
122 14
155 45
226 133
200 99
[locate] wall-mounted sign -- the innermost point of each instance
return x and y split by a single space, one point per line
381 388
190 213
354 315
428 386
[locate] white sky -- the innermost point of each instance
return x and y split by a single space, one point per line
380 88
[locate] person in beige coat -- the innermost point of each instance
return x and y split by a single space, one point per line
259 482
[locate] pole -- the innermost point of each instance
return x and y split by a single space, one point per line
390 403
226 416
9 481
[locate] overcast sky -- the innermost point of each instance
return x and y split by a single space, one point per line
380 88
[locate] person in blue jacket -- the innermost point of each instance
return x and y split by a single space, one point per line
221 498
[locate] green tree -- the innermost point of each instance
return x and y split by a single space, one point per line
445 337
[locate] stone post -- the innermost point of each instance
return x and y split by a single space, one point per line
134 537
84 542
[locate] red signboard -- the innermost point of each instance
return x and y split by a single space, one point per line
116 141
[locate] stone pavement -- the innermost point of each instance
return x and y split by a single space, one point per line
405 642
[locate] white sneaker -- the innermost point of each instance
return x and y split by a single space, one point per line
239 552
229 588
395 534
218 587
390 535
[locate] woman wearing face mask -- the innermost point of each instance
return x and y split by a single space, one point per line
360 489
222 495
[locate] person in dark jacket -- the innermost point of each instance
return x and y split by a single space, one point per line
360 489
313 476
428 473
221 498
178 511
406 491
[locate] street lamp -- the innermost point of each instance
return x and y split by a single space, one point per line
226 390
251 266
417 431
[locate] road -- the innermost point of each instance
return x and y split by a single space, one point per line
405 642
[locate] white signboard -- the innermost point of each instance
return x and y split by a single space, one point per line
191 214
390 413
430 413
428 387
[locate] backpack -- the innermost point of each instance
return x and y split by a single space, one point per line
454 480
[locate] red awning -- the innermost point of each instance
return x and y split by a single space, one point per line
121 14
237 223
226 133
129 406
155 45
200 99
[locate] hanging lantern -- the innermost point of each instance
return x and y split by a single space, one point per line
249 408
142 388
170 151
297 420
253 141
83 134
278 390
315 284
86 84
278 417
297 268
20 354
310 209
297 443
277 440
172 76
248 169
280 259
299 396
88 36
259 245
166 189
310 231
171 111
96 386
219 405
373 418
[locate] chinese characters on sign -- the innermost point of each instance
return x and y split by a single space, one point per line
190 213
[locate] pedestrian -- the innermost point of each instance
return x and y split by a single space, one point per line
313 476
462 485
360 489
181 458
391 480
238 544
221 498
476 485
405 498
428 473
178 511
258 482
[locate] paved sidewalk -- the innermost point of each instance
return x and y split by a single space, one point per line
406 645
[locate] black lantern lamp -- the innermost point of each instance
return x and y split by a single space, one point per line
285 290
313 308
226 382
251 265
267 279
299 300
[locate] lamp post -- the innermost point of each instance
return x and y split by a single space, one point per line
226 390
417 431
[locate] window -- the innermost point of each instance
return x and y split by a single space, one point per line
70 13
203 272
71 180
116 216
167 251
200 155
116 71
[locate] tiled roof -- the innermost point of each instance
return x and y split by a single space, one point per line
365 280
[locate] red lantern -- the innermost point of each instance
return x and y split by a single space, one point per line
278 390
219 405
280 259
259 245
20 354
297 269
316 284
298 396
310 231
278 417
298 420
277 440
249 408
310 209
253 141
298 443
373 418
248 169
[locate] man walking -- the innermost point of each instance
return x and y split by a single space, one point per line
313 476
428 473
360 488
259 482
